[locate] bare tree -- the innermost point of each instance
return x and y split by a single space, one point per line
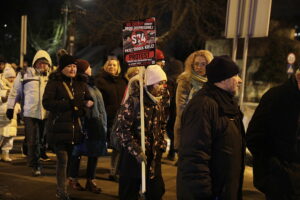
192 21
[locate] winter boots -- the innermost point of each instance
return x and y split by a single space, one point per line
5 156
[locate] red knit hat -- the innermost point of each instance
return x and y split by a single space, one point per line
159 55
82 65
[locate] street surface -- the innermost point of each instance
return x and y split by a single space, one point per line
16 182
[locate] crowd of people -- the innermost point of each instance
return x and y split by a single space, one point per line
74 113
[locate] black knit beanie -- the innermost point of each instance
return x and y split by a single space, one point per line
65 60
221 68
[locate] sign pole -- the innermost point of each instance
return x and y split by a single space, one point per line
141 80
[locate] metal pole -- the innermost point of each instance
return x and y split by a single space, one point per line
245 52
237 30
25 36
66 11
23 42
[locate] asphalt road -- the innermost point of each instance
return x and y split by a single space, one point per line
16 182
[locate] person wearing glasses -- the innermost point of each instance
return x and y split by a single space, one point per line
189 82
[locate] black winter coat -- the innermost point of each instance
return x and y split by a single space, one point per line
63 126
273 137
112 89
211 153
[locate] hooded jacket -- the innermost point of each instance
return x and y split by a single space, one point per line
29 87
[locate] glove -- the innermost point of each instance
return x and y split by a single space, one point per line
10 113
78 113
77 103
4 99
142 158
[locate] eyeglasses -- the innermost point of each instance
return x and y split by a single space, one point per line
199 64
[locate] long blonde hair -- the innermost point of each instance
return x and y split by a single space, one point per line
188 64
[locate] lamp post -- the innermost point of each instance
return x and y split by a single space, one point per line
70 12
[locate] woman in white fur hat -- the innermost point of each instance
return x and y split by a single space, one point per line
128 133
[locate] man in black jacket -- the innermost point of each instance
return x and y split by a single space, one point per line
273 137
211 152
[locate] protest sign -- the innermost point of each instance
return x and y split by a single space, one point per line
139 42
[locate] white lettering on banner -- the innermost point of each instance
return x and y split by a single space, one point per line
142 27
149 46
138 48
138 38
130 28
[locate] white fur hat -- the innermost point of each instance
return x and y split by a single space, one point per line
154 74
9 71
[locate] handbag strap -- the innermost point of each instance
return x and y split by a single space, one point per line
71 96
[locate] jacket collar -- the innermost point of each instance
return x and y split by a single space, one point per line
226 101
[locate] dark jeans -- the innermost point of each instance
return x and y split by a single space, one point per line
63 153
129 188
90 170
114 162
34 132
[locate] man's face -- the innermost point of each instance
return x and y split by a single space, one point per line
158 88
41 66
232 84
70 70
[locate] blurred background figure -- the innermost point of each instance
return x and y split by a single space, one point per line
29 86
173 69
2 64
8 128
273 138
95 126
189 82
160 58
112 85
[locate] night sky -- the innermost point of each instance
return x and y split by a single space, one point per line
37 10
39 13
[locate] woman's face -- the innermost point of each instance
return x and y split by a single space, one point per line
11 79
70 70
112 67
199 65
88 71
158 88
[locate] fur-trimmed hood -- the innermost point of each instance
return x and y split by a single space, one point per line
41 54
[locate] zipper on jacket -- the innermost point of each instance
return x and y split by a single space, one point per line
73 133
